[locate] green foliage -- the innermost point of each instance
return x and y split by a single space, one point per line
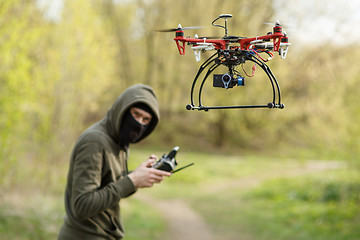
18 38
59 76
48 72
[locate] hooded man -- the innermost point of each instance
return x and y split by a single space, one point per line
98 177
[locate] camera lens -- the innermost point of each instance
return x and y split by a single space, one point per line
226 78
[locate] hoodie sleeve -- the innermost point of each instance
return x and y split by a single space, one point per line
89 197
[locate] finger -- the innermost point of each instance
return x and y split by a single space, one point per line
149 162
146 163
152 181
156 179
160 172
152 156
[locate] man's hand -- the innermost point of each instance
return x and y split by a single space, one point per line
145 176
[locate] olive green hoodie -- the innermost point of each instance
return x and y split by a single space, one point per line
97 177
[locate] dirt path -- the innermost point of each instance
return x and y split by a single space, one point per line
185 224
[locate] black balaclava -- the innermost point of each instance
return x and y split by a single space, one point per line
131 130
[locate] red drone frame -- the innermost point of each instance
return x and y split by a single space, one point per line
232 51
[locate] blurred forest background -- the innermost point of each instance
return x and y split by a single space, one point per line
61 69
63 63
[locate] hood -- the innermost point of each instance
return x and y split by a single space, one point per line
138 93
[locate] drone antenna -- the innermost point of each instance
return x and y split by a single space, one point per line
225 16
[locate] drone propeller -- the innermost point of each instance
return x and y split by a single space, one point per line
179 28
271 23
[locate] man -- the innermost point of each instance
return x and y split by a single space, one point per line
98 177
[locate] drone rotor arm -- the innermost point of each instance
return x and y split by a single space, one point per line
181 46
201 47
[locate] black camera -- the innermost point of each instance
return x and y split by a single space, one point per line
167 162
227 81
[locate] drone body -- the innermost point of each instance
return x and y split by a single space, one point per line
232 51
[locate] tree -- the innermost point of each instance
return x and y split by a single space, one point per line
20 29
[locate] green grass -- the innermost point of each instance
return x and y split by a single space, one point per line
321 206
39 217
256 196
141 221
30 215
315 206
209 169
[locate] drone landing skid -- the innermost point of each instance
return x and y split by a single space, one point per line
213 62
206 108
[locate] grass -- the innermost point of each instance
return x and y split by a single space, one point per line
321 206
30 215
141 221
315 206
260 197
38 216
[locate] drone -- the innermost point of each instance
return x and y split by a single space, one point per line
232 51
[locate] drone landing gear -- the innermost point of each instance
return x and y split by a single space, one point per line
233 59
206 108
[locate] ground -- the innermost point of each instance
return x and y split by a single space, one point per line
184 223
26 208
